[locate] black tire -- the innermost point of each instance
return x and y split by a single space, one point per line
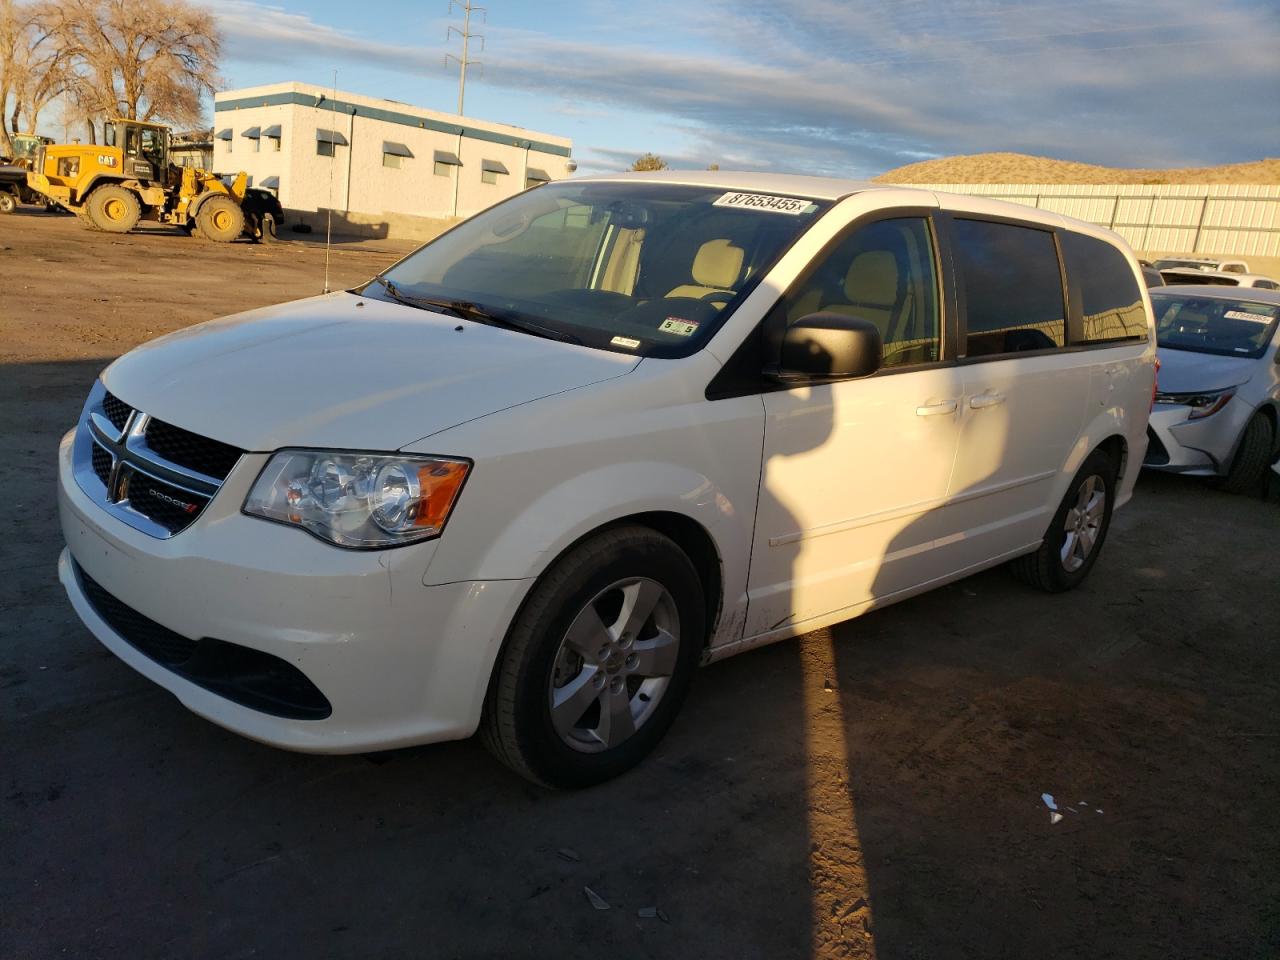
1047 569
8 202
1253 456
517 726
113 209
220 219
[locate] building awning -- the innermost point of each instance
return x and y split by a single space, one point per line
331 136
224 134
396 149
443 156
272 131
253 133
493 166
270 183
533 173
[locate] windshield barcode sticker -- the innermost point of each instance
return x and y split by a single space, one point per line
761 201
1241 315
629 342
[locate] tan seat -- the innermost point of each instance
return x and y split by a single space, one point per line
871 290
715 270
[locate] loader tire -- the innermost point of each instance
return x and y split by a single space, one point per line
220 219
8 203
113 209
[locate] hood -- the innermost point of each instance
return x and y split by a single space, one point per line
343 371
1184 371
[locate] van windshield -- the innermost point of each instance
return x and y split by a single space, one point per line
650 269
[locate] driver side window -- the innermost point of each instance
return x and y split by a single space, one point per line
884 273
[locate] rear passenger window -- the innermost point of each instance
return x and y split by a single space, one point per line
1012 288
1110 300
882 272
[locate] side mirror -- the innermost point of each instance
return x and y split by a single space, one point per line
829 346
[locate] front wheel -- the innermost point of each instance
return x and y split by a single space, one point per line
598 661
8 203
114 209
1075 536
220 219
1252 458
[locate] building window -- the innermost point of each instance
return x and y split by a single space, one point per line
394 154
445 162
490 170
324 148
275 144
327 140
534 176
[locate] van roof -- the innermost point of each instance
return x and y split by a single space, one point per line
832 188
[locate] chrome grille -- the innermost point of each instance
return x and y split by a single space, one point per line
154 476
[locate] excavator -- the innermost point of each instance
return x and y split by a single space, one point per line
128 178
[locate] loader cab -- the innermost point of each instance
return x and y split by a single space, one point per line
144 147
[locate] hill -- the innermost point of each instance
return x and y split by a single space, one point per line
1023 168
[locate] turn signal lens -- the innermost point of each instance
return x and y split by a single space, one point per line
359 500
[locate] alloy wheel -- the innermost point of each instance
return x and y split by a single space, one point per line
614 664
1083 523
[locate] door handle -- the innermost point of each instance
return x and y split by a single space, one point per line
988 399
937 409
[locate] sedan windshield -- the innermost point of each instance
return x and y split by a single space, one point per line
1226 327
650 269
1190 264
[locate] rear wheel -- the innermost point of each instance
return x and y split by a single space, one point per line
114 209
220 219
598 661
1075 536
8 202
1252 458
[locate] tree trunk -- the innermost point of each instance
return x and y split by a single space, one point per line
6 145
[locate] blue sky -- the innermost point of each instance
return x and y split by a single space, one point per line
820 86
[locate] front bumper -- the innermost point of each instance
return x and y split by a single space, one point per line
399 663
1201 447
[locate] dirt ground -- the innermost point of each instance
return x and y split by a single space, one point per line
869 791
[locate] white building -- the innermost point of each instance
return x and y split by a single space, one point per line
384 168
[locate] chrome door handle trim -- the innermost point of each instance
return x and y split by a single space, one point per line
986 400
937 409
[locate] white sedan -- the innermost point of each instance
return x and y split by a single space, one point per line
1218 405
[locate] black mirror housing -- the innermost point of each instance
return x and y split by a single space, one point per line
829 346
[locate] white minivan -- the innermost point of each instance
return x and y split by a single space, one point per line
531 476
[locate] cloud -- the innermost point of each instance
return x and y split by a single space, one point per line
830 87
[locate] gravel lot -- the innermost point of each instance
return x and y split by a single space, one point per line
872 790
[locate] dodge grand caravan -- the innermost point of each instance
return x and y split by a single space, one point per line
528 478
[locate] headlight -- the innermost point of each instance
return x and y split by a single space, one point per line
358 499
1201 404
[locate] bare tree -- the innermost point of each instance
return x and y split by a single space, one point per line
40 71
650 161
140 59
12 30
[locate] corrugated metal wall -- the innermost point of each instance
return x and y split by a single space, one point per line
1230 219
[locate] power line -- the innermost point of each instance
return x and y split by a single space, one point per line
464 61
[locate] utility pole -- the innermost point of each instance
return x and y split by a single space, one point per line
464 61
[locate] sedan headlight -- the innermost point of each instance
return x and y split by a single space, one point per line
359 499
1201 404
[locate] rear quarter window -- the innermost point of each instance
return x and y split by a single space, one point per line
1110 299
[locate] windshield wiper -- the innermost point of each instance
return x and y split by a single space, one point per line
469 310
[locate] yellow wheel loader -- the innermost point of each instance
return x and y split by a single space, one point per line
129 178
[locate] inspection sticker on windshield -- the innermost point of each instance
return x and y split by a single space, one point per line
681 328
1241 315
627 342
762 201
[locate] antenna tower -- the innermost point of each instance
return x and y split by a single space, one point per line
464 61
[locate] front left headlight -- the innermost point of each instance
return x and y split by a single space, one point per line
1202 404
360 500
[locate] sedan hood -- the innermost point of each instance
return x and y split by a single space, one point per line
343 371
1184 371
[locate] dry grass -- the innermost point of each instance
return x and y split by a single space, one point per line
1022 168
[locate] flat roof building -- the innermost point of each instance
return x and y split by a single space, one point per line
384 168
